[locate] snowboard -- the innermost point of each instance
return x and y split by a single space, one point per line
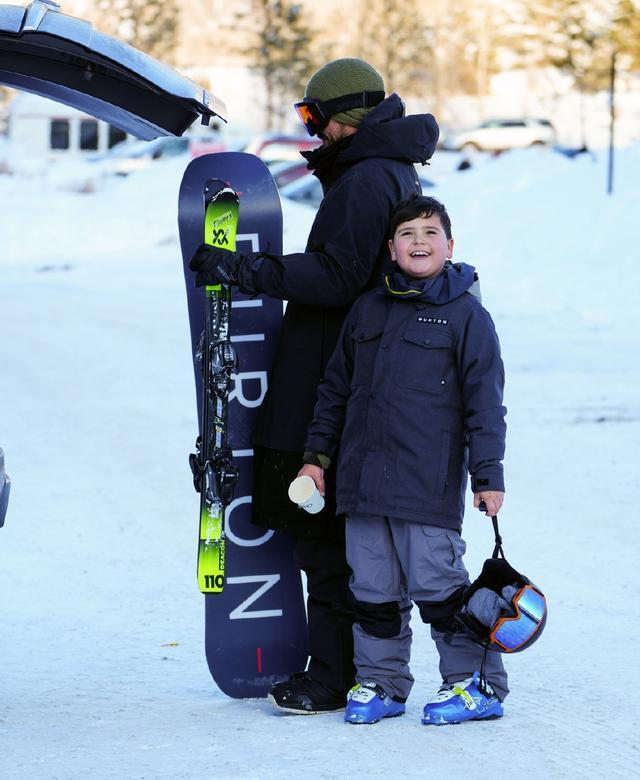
255 628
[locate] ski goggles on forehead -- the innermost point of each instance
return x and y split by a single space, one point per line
511 633
315 114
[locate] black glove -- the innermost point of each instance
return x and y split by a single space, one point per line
214 266
219 266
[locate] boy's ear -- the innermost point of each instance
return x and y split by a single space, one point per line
392 251
450 243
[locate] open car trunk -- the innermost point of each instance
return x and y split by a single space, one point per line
63 58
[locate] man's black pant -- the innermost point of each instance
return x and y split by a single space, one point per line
329 612
320 553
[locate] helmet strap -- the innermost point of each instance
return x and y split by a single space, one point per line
498 552
482 687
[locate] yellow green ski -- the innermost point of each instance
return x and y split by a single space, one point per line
214 474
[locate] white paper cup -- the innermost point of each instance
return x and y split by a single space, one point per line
304 493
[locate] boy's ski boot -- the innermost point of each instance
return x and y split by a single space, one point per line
367 702
461 701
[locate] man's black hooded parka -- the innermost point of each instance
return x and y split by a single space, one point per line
363 179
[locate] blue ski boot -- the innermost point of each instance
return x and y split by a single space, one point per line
367 702
461 701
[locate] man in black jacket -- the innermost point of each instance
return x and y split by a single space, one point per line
366 166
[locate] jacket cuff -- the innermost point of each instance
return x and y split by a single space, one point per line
316 459
488 478
247 267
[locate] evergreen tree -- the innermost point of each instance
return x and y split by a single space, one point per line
448 47
393 36
625 33
574 36
279 50
469 37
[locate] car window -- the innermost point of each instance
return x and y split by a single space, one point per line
175 146
59 134
115 136
88 135
306 190
310 191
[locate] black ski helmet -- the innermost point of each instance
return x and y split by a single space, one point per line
502 610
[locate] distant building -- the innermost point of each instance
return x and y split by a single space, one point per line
43 128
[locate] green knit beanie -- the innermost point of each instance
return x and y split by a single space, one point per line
343 77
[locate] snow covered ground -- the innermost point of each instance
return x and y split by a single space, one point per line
102 667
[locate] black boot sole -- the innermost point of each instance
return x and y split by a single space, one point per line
292 710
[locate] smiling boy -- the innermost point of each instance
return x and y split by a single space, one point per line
413 397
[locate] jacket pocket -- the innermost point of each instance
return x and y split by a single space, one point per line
443 465
426 361
446 548
366 343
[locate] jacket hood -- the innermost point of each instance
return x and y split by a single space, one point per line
387 132
453 281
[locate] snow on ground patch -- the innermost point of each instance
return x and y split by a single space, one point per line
102 653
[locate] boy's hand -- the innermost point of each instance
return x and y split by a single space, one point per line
316 474
493 501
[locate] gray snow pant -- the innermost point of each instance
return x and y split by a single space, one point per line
395 562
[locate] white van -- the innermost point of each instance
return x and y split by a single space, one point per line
496 135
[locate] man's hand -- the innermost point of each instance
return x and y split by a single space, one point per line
216 266
493 501
316 474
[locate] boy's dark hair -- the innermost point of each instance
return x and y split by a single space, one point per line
419 206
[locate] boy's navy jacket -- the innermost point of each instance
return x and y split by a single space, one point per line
413 395
346 253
